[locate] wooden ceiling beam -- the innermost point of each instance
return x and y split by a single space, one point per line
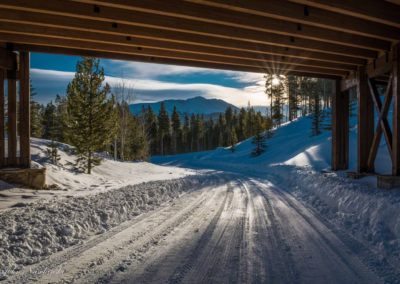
215 15
117 16
102 47
303 14
372 10
146 59
153 47
12 17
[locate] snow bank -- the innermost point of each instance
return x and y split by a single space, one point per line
109 175
369 214
34 231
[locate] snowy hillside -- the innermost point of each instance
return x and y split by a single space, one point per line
197 105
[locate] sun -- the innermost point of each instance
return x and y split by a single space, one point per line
275 81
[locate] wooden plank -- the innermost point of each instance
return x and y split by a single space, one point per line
2 129
298 13
381 109
12 17
215 15
165 54
372 10
159 60
24 94
380 66
383 125
340 129
12 122
365 129
396 112
154 47
8 59
121 16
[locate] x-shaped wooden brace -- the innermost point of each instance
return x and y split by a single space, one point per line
383 124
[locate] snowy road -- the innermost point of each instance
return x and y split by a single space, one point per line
244 231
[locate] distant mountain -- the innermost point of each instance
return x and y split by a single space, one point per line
197 105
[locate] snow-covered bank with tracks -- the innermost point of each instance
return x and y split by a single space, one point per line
33 232
300 164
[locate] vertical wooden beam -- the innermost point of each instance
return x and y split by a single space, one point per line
2 94
24 98
396 112
340 129
365 132
12 119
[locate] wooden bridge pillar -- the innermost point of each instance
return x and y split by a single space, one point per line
14 67
365 112
396 112
340 128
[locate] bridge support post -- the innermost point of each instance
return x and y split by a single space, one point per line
340 128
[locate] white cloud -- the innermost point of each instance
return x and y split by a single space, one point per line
147 90
129 69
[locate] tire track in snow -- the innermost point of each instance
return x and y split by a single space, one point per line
182 270
357 249
286 265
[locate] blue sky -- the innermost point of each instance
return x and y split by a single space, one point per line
150 82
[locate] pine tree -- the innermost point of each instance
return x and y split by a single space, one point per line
186 140
35 115
315 93
49 115
293 98
136 146
61 117
51 132
278 91
259 139
176 129
151 130
92 117
233 139
164 126
241 129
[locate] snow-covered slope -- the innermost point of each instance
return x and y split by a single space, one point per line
197 105
109 175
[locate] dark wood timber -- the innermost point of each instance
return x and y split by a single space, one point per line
152 47
396 112
12 122
8 59
193 11
166 54
340 129
383 125
121 16
159 60
372 10
24 97
295 12
30 19
365 129
2 129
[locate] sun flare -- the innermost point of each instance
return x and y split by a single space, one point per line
275 81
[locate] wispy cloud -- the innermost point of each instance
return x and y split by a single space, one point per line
147 89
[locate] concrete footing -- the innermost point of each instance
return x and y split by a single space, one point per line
388 181
33 178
